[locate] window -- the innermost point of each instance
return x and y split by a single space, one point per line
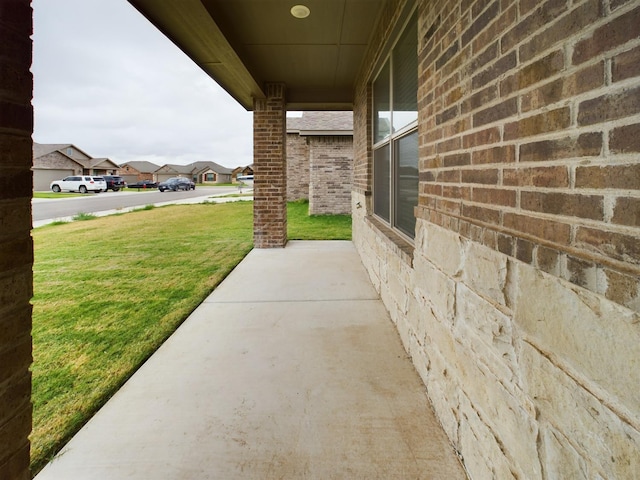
395 123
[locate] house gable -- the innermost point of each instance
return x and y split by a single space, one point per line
56 160
137 167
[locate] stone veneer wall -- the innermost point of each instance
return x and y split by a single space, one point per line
519 300
16 248
331 165
297 167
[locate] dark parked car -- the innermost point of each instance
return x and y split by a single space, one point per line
114 182
143 184
176 183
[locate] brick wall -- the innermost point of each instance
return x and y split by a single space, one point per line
533 153
331 165
270 184
297 167
320 169
16 251
519 300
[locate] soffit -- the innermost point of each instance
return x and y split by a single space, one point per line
243 44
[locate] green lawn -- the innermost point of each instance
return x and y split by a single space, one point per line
108 291
57 195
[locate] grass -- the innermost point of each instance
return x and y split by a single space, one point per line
109 291
302 226
57 195
80 217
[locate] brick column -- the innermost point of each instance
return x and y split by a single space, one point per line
16 248
270 169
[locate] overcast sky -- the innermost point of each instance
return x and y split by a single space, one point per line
108 82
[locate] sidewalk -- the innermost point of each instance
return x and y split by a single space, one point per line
290 369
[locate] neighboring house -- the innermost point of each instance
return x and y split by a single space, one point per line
320 161
99 166
170 170
210 172
241 171
135 171
56 161
199 172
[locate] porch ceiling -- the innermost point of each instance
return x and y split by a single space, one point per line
243 44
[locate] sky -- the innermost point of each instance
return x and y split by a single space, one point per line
108 82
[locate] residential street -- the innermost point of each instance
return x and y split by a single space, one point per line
46 209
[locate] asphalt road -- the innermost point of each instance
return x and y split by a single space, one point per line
46 209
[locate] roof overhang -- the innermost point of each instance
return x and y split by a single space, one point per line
245 44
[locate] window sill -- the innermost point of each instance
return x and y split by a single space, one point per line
402 247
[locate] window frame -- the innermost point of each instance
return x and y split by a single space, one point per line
392 140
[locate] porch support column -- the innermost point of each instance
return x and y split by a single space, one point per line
16 248
270 169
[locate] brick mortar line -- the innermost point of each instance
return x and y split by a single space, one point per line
617 265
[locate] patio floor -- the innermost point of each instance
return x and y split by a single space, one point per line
290 369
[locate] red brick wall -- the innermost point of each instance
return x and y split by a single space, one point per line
297 167
270 183
331 160
528 133
16 250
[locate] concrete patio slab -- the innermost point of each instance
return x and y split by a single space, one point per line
290 369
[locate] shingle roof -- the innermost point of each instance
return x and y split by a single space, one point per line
194 167
199 166
170 167
41 149
142 166
94 162
294 123
322 123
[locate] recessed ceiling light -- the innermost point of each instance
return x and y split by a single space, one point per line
300 11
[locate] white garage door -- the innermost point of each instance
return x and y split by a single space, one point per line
42 178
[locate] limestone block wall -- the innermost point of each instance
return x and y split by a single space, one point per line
331 167
16 250
519 299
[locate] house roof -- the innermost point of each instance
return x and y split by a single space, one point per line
245 44
194 167
41 149
142 166
98 162
200 166
321 123
173 168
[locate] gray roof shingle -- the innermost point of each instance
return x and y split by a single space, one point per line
322 123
